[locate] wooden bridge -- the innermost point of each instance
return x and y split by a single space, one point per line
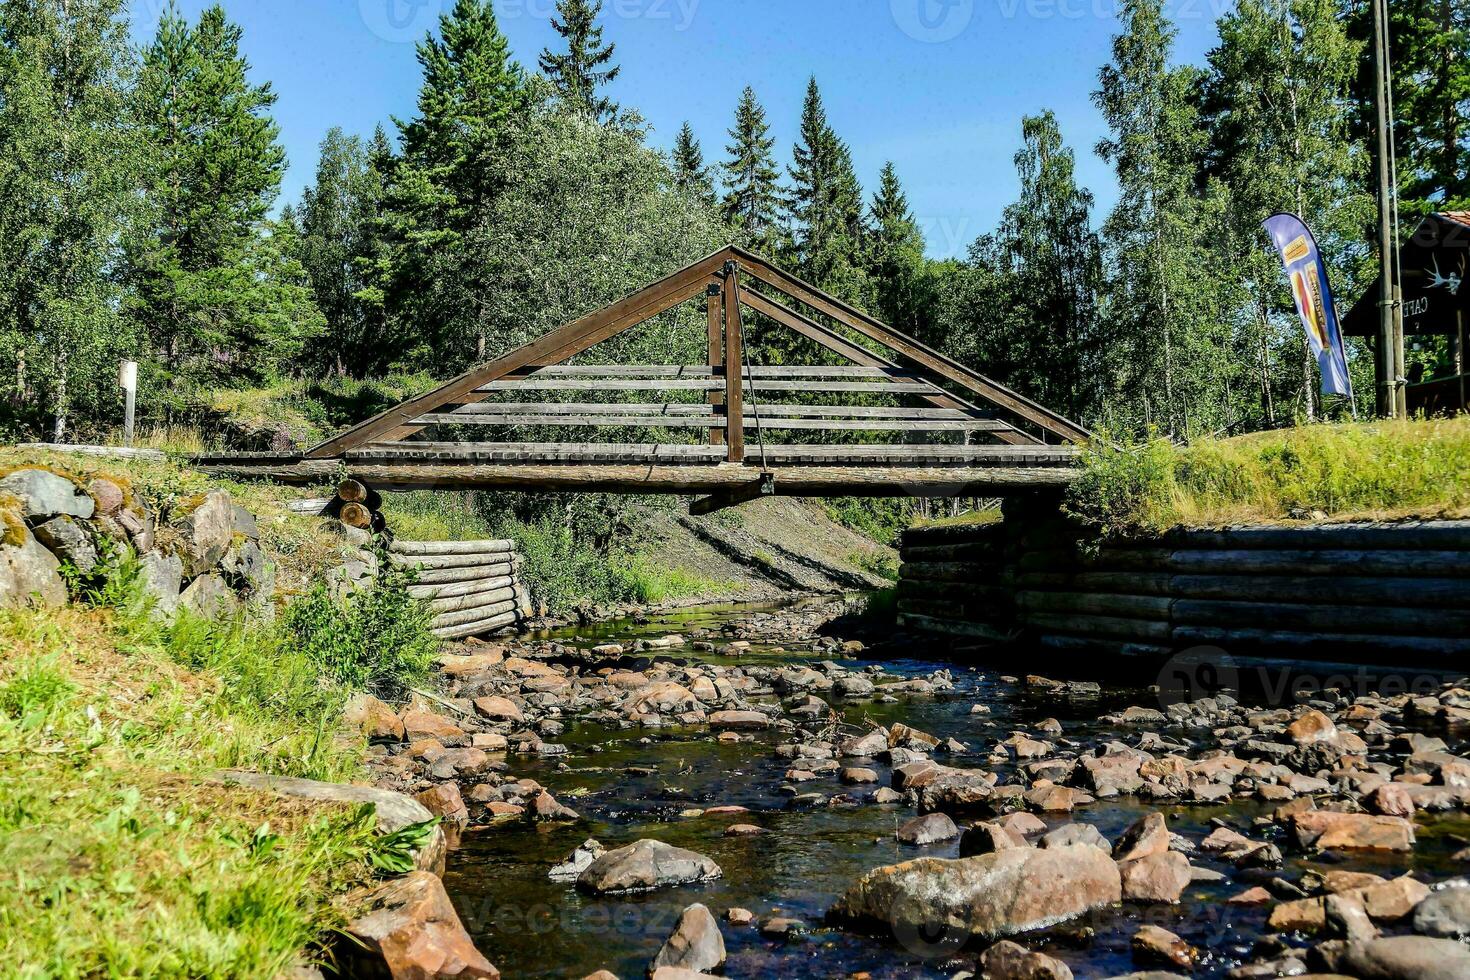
739 420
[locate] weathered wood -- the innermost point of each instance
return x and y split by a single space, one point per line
1328 590
1136 583
1096 604
1447 650
734 354
700 410
1076 645
483 546
315 506
835 342
459 560
763 486
934 624
853 318
677 475
1116 627
558 345
469 573
477 600
463 616
1387 620
715 348
352 491
980 553
1449 535
1334 562
716 422
449 590
355 515
488 625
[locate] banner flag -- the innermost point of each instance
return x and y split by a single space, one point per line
1313 292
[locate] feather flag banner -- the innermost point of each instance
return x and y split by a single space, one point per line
1313 293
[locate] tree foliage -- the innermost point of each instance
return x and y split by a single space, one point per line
586 65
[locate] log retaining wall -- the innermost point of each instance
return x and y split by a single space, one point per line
471 587
1362 591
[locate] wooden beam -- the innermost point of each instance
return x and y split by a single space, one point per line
715 329
853 318
839 344
558 345
734 350
765 486
802 481
768 421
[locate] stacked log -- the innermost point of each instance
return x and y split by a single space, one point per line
1347 591
471 587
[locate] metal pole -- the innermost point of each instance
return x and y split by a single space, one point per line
1390 341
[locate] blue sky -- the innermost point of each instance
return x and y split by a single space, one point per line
936 86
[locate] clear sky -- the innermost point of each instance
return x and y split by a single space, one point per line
936 86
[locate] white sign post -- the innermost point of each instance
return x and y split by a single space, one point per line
127 379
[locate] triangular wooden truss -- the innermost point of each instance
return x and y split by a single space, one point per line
731 280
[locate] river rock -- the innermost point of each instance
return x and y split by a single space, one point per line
955 789
1445 913
1012 961
739 719
870 744
987 838
419 724
928 829
644 866
1311 727
1155 877
1329 830
43 494
1147 835
373 718
444 800
696 943
1405 958
28 572
1153 944
1075 833
411 929
989 896
578 861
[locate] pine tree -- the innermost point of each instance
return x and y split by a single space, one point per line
218 171
896 263
752 197
690 173
427 275
587 64
1171 361
70 168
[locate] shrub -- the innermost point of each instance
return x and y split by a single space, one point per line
375 639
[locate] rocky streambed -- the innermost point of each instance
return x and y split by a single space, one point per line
730 791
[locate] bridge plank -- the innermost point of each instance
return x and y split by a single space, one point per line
717 422
706 384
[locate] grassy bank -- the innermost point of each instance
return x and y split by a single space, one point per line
1372 470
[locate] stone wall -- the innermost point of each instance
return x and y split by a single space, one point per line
203 555
1351 591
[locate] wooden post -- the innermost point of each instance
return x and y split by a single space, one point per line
716 352
734 376
127 376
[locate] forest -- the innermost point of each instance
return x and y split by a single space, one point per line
144 217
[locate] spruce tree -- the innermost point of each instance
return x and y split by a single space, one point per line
896 263
752 197
690 173
70 168
586 66
218 169
429 276
825 205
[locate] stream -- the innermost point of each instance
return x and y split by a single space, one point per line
631 783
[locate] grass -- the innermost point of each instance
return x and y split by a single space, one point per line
876 561
1373 470
118 857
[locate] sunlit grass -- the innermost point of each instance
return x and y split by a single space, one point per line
1372 470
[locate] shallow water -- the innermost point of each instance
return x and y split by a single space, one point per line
533 927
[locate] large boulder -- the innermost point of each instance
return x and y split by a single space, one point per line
28 572
1406 958
70 540
43 494
989 896
644 866
696 943
375 719
393 811
205 532
1330 830
163 579
1446 913
410 931
209 597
